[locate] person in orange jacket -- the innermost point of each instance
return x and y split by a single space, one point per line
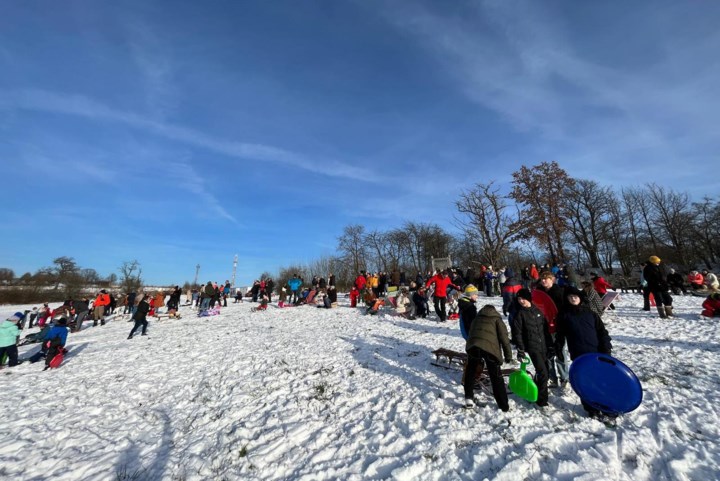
102 300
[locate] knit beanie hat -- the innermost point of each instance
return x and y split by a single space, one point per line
470 290
654 259
525 294
573 291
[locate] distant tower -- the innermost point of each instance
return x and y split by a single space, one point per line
234 271
197 273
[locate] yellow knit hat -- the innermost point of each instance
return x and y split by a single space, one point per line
654 259
471 289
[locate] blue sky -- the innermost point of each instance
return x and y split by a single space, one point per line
185 132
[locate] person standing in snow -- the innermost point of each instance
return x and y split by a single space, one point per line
101 301
442 282
9 334
584 332
140 317
654 275
468 310
532 337
487 337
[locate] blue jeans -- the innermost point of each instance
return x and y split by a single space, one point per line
205 303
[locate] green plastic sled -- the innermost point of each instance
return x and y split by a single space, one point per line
522 384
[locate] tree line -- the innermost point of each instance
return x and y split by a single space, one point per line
65 279
543 216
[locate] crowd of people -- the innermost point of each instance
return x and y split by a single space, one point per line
547 338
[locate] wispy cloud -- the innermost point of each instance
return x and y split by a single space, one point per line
78 105
519 60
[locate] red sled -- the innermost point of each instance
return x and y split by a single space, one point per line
57 360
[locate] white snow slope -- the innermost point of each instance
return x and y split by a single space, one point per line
316 394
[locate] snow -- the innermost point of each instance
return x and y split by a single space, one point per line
322 394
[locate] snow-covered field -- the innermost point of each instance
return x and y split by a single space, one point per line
315 394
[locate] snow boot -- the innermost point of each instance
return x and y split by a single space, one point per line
130 336
668 311
661 311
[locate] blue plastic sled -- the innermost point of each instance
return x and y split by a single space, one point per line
605 383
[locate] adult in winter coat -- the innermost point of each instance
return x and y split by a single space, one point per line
360 281
101 301
487 337
81 312
294 284
710 280
601 286
9 333
676 282
584 332
532 338
207 294
468 311
593 301
696 280
140 317
657 285
159 301
442 282
509 290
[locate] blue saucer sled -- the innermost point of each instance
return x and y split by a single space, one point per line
605 383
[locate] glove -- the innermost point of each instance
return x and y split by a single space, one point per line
521 356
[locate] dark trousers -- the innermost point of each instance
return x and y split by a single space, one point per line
139 322
12 353
439 303
646 298
476 358
541 376
662 298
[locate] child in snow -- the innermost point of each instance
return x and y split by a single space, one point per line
421 303
282 297
453 306
140 316
404 305
53 341
532 337
9 334
584 331
467 308
711 305
487 337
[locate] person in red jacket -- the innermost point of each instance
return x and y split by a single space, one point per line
711 305
696 280
442 282
360 281
601 286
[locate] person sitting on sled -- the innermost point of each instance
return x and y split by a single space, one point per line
9 334
54 340
711 305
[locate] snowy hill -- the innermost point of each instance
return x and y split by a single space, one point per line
314 394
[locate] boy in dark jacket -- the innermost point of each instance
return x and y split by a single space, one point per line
584 331
532 337
140 317
468 311
486 338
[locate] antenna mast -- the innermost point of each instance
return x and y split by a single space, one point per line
234 270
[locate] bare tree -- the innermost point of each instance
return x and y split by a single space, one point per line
130 276
706 231
352 246
674 219
487 220
589 218
6 275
